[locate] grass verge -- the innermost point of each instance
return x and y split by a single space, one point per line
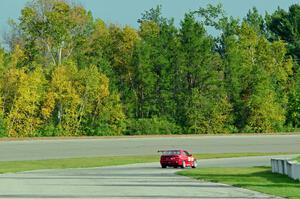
256 178
298 159
18 166
235 155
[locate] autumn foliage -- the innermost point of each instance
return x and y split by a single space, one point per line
64 73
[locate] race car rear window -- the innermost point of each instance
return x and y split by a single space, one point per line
171 153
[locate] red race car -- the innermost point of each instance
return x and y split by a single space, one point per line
177 158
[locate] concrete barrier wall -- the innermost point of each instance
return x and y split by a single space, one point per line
286 167
296 171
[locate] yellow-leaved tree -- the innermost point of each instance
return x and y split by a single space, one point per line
3 131
100 111
62 101
23 118
2 124
79 102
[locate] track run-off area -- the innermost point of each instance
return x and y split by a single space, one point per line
126 182
137 180
122 146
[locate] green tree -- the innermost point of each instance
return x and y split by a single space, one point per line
257 73
293 109
158 62
206 104
284 25
122 45
256 21
144 82
207 115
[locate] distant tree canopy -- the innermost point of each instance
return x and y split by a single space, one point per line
68 74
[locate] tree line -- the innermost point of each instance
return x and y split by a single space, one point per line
65 73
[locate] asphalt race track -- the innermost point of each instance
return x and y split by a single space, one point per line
125 182
53 149
133 181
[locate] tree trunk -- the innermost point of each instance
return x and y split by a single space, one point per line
59 56
50 52
60 52
59 113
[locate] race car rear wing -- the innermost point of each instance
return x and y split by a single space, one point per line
161 151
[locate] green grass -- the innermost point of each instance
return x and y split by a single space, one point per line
18 166
234 155
256 178
298 159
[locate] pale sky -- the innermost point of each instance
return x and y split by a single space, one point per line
128 11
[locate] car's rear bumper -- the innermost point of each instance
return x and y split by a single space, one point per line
171 163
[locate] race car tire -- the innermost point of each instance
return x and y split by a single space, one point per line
163 166
183 164
194 164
